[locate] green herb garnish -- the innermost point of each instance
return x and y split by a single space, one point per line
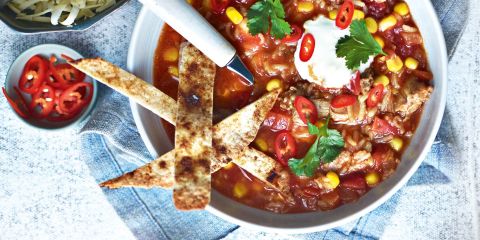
325 149
359 46
262 13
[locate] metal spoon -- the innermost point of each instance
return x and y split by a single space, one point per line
182 17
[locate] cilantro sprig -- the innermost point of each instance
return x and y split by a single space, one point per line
264 12
325 149
359 46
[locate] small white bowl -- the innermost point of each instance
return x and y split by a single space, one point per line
15 71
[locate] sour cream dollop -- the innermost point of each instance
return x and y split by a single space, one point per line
324 67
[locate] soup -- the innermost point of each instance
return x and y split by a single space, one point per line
375 112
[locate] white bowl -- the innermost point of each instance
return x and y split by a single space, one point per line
46 50
140 60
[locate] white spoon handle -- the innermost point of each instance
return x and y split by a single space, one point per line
191 25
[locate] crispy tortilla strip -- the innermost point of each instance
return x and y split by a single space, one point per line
267 170
228 138
158 173
129 85
193 132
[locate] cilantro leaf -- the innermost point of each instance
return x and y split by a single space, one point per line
359 46
264 12
307 165
325 149
330 147
312 129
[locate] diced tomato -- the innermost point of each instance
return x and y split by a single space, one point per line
355 181
306 110
307 47
345 15
423 75
355 84
43 100
375 96
381 127
343 100
219 6
33 75
75 97
278 121
378 156
329 200
378 9
312 191
285 147
294 36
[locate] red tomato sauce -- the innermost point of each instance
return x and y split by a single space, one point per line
269 59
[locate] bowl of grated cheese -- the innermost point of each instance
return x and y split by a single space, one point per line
38 16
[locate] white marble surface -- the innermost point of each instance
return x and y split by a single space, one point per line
46 192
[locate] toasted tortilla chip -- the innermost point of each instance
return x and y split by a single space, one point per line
229 140
158 173
193 133
267 170
129 85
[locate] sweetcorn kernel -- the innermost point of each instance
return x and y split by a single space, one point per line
372 178
240 190
387 23
411 63
274 84
334 181
171 54
396 143
173 71
401 8
305 7
234 15
358 14
379 41
372 25
382 79
394 64
261 144
332 14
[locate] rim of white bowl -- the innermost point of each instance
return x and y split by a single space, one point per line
437 116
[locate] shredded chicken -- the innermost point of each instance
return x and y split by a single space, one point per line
412 97
387 103
323 107
356 114
355 140
347 162
388 162
366 84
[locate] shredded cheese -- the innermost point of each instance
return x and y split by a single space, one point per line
64 12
